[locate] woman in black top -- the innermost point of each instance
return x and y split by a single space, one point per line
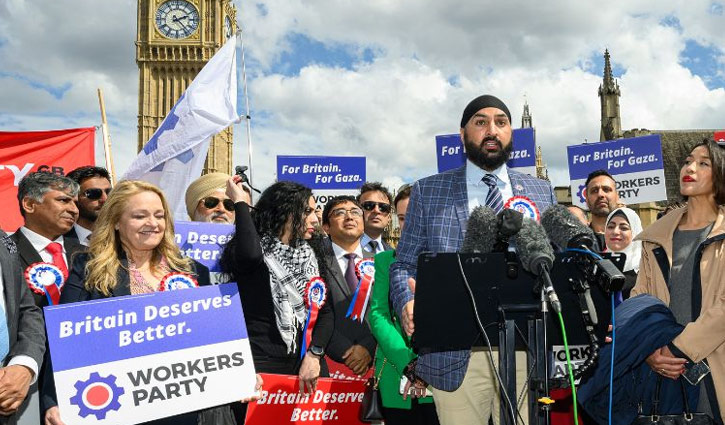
272 263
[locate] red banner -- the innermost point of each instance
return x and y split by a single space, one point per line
55 151
341 371
719 135
334 402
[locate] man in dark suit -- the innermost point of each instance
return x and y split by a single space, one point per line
438 210
22 334
352 342
376 202
48 205
95 185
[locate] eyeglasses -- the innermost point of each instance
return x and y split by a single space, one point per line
95 193
382 206
342 212
212 202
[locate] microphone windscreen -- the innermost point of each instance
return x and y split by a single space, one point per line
565 230
533 247
480 231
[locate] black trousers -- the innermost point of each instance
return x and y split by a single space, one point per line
419 414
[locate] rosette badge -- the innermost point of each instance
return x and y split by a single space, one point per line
365 270
177 280
315 296
45 279
525 206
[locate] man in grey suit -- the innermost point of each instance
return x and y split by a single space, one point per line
352 342
22 334
465 387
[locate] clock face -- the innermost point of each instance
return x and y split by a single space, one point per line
177 19
228 26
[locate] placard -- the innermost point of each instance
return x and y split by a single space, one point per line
132 359
334 402
636 165
450 153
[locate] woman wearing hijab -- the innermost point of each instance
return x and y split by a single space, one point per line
623 225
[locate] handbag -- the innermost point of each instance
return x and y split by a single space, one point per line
371 408
685 418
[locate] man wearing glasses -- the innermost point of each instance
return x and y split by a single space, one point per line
206 200
95 185
352 342
376 203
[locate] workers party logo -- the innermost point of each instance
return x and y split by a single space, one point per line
97 396
582 193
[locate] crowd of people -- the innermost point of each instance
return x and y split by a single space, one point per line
118 241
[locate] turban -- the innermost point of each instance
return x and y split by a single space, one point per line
203 187
485 101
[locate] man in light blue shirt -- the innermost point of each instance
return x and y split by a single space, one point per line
376 202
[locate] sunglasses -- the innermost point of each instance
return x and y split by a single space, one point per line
95 194
382 206
212 202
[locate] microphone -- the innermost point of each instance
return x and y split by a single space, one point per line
566 231
241 171
537 257
509 223
480 231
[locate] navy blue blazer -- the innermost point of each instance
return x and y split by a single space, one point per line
436 222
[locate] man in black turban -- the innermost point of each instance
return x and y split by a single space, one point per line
437 215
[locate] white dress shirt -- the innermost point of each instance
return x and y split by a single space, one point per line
478 190
365 241
84 235
40 242
340 255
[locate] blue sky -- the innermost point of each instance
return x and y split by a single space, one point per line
381 79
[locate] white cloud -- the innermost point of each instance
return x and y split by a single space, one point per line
431 58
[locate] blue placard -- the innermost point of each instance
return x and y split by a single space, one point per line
450 154
621 156
103 331
323 172
203 242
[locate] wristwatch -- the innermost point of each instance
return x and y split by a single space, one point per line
317 350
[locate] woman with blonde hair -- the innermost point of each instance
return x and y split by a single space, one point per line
132 249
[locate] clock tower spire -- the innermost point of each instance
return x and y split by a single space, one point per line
174 40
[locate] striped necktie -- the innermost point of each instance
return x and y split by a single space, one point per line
494 200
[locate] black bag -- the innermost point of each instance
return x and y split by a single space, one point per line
686 418
371 408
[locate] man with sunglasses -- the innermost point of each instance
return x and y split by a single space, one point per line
95 185
376 203
206 199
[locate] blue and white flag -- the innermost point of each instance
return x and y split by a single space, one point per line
175 154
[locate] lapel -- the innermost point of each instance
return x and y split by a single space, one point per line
25 249
72 247
517 186
123 281
460 197
9 277
337 276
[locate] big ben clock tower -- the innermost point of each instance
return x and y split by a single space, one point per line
175 39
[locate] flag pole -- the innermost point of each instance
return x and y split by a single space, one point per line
106 137
248 118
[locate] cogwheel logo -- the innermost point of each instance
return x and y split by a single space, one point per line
97 396
582 191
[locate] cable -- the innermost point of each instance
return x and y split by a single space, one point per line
571 369
611 363
488 342
585 251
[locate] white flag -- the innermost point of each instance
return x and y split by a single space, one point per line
175 154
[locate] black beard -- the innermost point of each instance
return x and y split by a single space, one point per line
91 216
477 155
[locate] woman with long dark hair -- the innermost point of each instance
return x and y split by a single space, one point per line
683 264
277 272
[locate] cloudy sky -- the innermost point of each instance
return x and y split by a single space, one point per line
381 78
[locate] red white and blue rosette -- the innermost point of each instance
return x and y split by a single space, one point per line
525 206
177 280
45 279
315 295
365 270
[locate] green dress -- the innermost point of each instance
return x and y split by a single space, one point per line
393 344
